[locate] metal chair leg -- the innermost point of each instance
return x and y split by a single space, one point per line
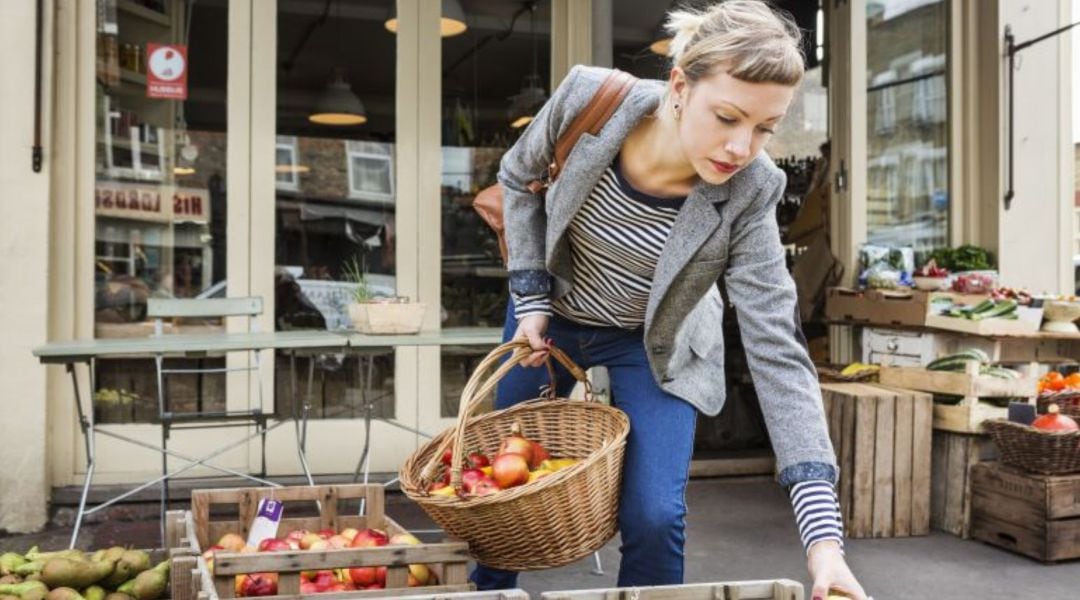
599 568
86 425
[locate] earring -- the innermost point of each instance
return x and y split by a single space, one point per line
675 109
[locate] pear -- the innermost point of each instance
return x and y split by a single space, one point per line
94 592
131 563
9 561
63 593
64 572
150 585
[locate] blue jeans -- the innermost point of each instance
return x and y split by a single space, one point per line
652 504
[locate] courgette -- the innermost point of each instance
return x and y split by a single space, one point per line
1000 310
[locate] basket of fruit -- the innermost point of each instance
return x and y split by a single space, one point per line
1055 388
1050 445
551 493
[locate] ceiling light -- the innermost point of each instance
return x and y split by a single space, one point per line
451 23
338 105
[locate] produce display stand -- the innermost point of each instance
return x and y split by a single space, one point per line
1030 514
447 560
882 441
773 589
967 415
515 594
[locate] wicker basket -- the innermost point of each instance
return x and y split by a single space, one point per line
1068 402
1023 446
552 521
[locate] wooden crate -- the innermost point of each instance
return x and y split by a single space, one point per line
515 594
448 560
1034 515
966 416
773 589
954 454
882 441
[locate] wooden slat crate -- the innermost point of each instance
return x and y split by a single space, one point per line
954 454
1034 515
514 594
882 441
773 589
966 416
447 560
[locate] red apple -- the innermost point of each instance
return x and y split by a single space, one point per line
510 470
326 533
274 545
485 487
296 535
307 587
478 460
516 443
370 537
469 478
448 456
367 576
539 455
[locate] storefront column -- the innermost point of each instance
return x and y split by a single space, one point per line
571 36
24 257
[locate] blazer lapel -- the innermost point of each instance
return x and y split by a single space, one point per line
593 154
696 222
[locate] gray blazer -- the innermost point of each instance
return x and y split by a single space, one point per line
724 230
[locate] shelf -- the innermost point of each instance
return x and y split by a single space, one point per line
129 76
148 148
141 12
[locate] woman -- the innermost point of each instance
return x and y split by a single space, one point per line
617 267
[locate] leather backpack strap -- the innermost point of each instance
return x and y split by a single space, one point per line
594 116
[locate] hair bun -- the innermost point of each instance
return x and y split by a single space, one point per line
683 25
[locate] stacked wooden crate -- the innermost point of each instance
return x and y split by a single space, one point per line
958 443
1035 515
775 589
881 437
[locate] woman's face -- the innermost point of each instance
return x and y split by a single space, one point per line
724 122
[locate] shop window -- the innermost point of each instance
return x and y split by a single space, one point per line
160 201
907 200
335 218
286 168
495 78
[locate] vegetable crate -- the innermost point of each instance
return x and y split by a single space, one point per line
332 505
773 589
953 457
1034 515
967 415
882 441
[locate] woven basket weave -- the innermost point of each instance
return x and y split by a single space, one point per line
1068 402
1045 452
552 521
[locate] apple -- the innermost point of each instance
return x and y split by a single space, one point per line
404 539
349 533
418 575
296 535
232 542
510 470
370 537
485 487
320 545
338 541
274 545
469 478
309 539
539 455
327 533
478 460
367 576
307 587
515 443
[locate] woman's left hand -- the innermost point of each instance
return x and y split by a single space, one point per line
831 573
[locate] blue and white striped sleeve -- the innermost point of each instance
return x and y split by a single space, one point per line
817 512
531 304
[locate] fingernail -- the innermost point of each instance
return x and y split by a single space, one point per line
549 341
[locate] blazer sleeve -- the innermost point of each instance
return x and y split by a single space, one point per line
763 294
523 211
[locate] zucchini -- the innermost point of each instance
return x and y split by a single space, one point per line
1001 310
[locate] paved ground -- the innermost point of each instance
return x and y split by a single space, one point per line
738 529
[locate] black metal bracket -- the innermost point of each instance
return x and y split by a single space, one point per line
1011 49
37 154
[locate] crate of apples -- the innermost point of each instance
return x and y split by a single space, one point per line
518 461
325 580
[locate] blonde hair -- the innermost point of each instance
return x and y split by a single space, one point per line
745 38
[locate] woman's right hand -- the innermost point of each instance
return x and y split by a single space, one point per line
533 328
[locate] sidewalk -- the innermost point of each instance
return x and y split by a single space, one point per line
737 529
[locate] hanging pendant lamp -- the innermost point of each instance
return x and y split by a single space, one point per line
338 105
532 96
451 23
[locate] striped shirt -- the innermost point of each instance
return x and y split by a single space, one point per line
615 242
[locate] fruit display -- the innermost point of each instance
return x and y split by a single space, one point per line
1054 382
114 574
974 283
518 461
327 580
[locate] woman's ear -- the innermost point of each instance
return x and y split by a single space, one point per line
678 84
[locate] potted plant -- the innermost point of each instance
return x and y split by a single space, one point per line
374 314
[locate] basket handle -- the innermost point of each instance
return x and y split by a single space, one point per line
478 387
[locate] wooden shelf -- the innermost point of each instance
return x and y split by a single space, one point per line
141 12
129 76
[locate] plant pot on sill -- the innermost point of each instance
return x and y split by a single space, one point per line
394 315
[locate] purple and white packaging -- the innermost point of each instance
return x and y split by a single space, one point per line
265 524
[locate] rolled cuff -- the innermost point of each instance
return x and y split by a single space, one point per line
806 471
530 282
